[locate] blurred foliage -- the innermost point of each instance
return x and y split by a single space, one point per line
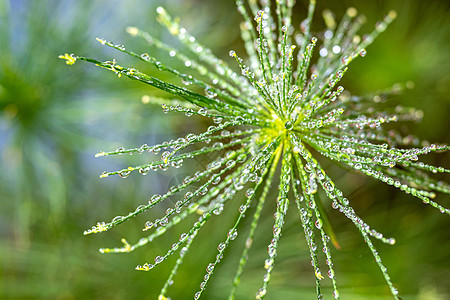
53 120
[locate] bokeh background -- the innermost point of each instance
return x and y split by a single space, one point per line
54 118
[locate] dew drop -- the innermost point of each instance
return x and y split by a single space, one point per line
232 234
165 155
394 291
160 66
188 195
218 210
250 192
202 111
190 137
183 236
124 174
323 52
288 125
203 191
154 199
216 179
145 56
210 268
328 186
271 251
148 225
117 219
144 170
318 223
335 204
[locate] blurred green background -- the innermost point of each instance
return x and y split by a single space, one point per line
54 118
